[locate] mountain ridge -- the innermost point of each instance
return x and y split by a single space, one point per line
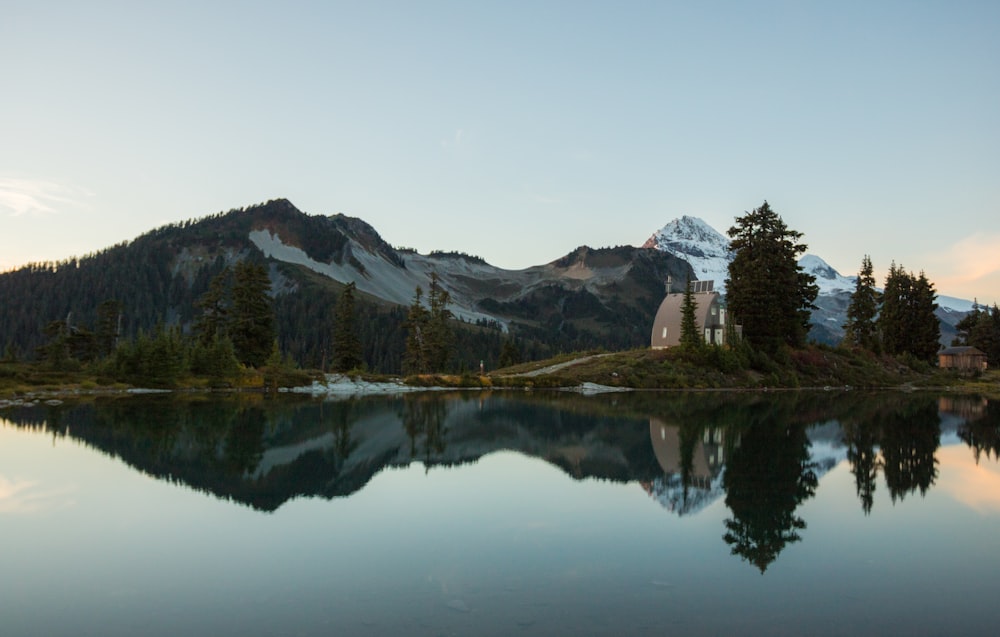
591 297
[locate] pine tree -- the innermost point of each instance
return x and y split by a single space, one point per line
767 292
927 329
429 338
211 324
251 320
346 344
860 328
985 334
892 320
907 323
108 318
440 338
689 322
415 358
509 354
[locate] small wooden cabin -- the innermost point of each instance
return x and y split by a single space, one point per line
962 358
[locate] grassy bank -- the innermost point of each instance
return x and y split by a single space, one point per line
674 369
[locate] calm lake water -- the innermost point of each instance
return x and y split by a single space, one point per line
821 513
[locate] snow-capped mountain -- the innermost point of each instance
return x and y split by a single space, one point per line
707 251
828 279
698 243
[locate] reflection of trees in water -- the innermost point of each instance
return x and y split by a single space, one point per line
341 416
909 439
906 431
264 451
982 430
423 418
861 439
766 479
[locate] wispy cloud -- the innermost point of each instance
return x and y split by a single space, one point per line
975 485
22 496
456 140
972 259
21 196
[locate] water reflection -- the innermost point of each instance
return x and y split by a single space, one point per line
761 455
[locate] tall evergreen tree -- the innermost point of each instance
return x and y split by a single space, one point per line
767 292
251 321
429 337
214 306
439 337
981 329
108 326
927 329
893 320
860 330
346 343
509 354
415 355
906 322
690 338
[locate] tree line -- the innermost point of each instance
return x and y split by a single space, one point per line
772 298
981 329
899 320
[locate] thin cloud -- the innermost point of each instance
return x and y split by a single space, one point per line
974 258
22 496
19 196
456 140
974 485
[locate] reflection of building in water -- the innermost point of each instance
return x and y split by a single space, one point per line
686 489
968 407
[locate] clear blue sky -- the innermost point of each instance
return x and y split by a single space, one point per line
512 130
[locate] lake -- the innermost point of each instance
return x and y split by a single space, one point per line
545 513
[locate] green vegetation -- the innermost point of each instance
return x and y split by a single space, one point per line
711 367
981 329
690 338
346 343
251 318
429 339
860 329
906 322
767 292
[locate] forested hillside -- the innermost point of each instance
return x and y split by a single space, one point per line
158 278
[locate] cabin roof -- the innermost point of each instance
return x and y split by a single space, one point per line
960 350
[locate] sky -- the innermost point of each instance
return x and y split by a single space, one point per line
515 131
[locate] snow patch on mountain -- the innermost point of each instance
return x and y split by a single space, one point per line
381 278
698 243
827 278
707 250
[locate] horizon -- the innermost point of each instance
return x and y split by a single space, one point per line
513 131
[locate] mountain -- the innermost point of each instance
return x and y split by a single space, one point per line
701 245
707 250
603 297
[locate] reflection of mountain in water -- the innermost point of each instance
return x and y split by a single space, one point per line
264 452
